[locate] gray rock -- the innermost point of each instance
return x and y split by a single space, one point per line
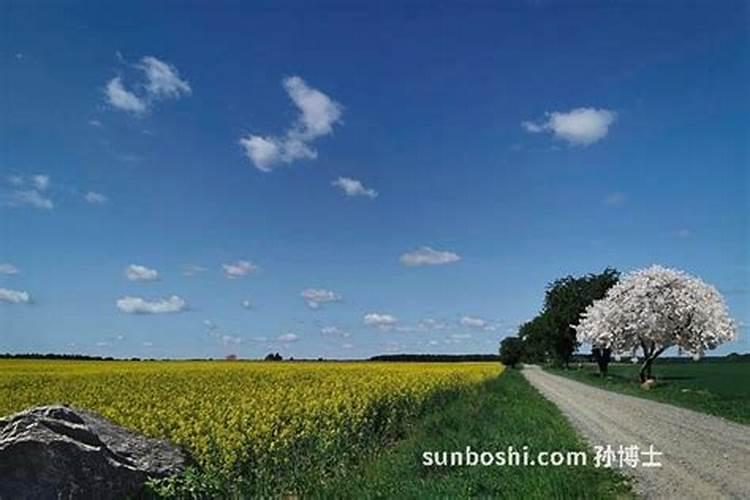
58 452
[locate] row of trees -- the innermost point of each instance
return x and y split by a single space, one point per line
551 335
648 311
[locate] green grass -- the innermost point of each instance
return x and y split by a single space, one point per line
496 414
715 387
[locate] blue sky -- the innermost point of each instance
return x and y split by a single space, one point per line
341 181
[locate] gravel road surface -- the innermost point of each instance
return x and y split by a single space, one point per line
703 456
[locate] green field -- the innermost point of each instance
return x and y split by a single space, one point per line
497 413
715 387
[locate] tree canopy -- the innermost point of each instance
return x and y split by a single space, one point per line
654 309
550 335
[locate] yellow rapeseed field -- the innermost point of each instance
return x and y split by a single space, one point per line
277 423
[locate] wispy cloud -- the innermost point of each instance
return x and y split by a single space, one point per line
317 296
228 340
135 272
123 99
239 269
288 338
353 187
8 269
40 182
247 304
578 127
615 199
139 305
334 331
159 80
379 320
163 80
14 296
15 180
95 198
318 114
29 191
426 256
192 270
476 323
31 198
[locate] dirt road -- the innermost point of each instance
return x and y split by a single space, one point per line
703 456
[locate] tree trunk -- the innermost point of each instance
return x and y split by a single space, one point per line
651 355
645 373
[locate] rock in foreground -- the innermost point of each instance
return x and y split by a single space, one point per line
62 452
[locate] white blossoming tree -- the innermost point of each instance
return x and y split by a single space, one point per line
656 308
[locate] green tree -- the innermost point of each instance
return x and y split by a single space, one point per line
536 340
511 349
564 302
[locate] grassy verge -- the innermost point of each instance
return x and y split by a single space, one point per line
714 387
496 414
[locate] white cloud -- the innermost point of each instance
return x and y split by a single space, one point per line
135 272
347 346
288 338
8 269
192 270
40 182
334 331
426 256
432 324
32 198
239 269
317 296
578 127
460 336
379 320
247 304
682 233
138 305
210 325
433 342
95 123
264 152
95 198
473 322
148 344
121 98
160 81
163 80
14 296
532 127
615 199
353 187
230 340
318 114
476 323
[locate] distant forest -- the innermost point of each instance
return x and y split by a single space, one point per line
436 357
423 358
